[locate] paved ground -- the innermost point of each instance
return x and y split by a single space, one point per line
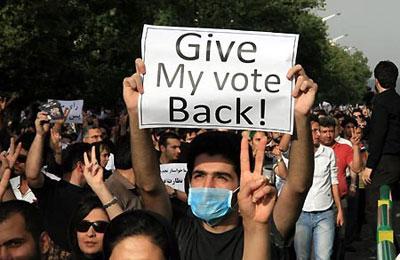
362 251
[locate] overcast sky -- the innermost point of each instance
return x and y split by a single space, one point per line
373 27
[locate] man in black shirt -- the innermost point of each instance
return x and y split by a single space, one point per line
57 200
383 165
218 230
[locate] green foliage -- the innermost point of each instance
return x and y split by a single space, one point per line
68 48
82 49
345 76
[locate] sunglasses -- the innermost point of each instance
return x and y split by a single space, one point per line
98 226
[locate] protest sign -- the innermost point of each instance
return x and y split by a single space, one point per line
75 110
173 174
215 78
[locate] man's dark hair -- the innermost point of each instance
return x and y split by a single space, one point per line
182 132
338 114
357 110
86 130
321 112
30 214
74 154
386 73
165 136
327 121
26 139
314 118
122 155
226 144
349 119
141 222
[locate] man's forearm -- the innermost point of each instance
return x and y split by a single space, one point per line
256 242
299 180
285 142
281 170
143 158
57 127
34 162
301 162
106 197
336 196
357 163
147 169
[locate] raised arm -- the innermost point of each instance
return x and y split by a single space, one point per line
301 159
357 164
55 145
55 137
285 142
256 201
144 159
6 192
8 159
35 155
335 190
279 166
5 175
93 173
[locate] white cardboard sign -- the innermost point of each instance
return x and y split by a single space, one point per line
217 78
75 110
173 174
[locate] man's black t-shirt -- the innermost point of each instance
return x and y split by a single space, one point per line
196 243
57 201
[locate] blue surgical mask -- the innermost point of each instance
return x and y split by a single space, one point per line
210 204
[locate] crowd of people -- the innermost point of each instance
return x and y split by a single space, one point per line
94 190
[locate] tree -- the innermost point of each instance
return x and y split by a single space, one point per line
69 49
345 76
342 76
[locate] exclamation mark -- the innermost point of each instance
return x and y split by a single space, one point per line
262 122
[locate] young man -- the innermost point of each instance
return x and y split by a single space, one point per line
21 231
122 182
92 135
221 232
383 165
18 183
315 229
170 147
346 157
58 199
349 124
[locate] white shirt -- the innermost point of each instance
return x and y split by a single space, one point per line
342 140
279 182
110 164
320 196
28 196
